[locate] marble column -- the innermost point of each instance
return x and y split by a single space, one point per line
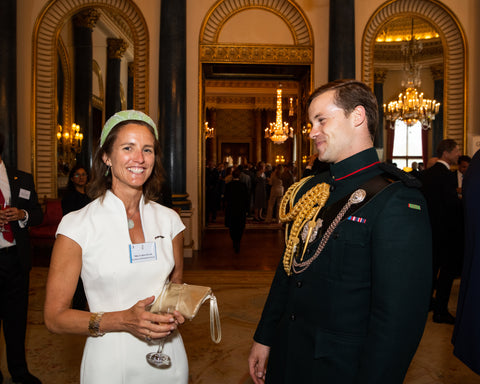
379 80
437 124
115 50
341 42
172 97
83 23
131 72
8 79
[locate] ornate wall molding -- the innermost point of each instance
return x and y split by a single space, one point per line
286 9
301 52
45 36
224 53
98 101
454 44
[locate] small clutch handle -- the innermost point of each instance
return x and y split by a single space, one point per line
214 320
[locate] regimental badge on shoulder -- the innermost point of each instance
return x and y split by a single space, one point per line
414 206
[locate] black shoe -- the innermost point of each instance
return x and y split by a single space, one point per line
445 318
28 379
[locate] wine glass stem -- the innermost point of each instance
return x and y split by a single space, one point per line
160 346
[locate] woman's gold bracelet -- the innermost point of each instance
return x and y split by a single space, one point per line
94 324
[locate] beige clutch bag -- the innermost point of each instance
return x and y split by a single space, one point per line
187 299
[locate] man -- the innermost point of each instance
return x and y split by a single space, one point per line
237 201
349 301
463 163
466 335
15 263
444 207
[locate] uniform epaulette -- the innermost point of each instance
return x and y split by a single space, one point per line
398 174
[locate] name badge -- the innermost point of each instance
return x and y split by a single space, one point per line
24 194
142 252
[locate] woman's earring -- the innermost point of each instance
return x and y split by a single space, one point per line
107 171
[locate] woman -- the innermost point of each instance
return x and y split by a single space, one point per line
76 196
260 192
75 199
276 194
126 247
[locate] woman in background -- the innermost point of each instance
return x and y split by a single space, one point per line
76 196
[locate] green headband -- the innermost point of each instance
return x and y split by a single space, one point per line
121 116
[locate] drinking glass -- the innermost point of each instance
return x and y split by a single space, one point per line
159 359
5 205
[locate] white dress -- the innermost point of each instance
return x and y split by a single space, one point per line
113 283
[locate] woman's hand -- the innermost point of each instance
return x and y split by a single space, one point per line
146 325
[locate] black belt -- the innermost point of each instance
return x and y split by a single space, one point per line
7 250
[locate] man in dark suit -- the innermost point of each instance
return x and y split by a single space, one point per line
466 335
349 300
444 207
17 192
237 202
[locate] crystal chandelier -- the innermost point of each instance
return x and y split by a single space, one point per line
69 140
279 131
411 106
209 132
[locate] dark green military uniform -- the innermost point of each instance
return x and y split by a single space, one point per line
357 314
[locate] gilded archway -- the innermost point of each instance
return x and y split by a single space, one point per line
301 52
455 48
45 38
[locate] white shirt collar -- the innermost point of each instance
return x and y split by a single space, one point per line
444 163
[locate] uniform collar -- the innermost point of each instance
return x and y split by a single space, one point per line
354 165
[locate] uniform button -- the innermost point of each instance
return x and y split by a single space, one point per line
335 236
292 317
299 284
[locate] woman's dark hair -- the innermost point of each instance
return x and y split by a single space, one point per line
101 183
348 95
70 184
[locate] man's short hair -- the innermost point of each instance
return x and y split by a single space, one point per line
349 94
465 158
445 145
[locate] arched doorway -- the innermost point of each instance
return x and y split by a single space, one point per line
248 67
454 48
46 33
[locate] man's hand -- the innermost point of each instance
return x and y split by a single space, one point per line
257 362
11 214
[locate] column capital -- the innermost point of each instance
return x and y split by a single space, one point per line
379 75
86 18
437 71
116 48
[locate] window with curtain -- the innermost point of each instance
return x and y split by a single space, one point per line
407 144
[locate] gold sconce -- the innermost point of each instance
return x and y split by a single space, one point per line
306 129
209 132
69 143
280 159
